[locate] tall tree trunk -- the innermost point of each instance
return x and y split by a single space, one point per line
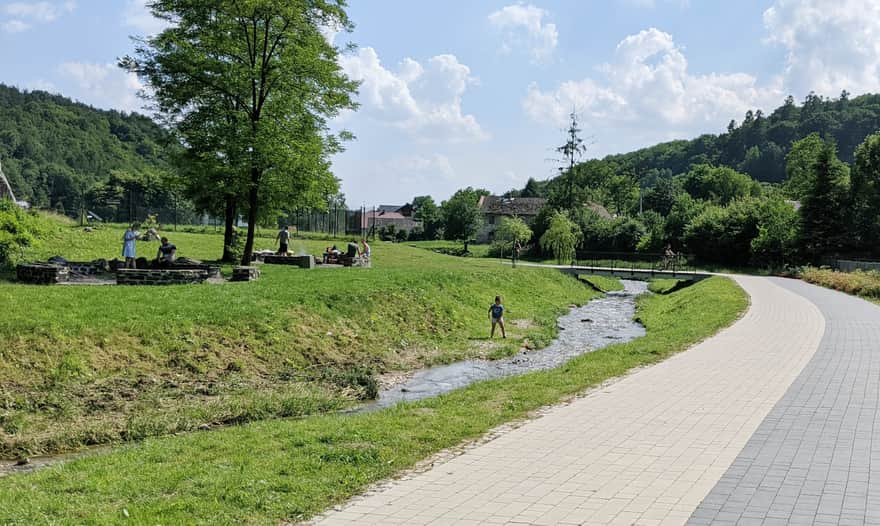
252 216
229 230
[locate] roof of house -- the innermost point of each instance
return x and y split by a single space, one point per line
389 208
386 215
598 209
511 206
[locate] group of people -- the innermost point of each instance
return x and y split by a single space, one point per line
333 253
165 255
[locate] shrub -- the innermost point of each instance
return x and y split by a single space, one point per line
18 230
858 283
562 237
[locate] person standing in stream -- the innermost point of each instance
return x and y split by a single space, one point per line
496 313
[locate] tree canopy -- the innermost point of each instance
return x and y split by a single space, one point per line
249 86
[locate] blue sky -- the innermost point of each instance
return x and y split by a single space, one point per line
475 93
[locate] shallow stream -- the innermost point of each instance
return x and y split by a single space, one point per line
599 323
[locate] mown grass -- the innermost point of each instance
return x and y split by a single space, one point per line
266 472
865 284
452 247
92 365
604 283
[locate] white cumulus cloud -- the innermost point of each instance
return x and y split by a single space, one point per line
524 26
23 15
14 26
831 45
423 100
647 87
138 16
103 85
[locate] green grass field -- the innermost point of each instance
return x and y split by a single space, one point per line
92 365
289 469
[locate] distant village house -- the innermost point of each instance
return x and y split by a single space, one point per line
494 208
398 216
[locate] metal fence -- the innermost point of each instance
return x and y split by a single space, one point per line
853 264
632 261
333 221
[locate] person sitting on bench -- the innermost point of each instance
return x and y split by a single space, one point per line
352 251
167 253
332 255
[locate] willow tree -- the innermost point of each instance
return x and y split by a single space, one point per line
249 85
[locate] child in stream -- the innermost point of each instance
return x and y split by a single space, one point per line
496 312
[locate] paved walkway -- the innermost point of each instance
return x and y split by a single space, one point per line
815 459
752 425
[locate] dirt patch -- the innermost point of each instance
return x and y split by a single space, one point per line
524 324
483 348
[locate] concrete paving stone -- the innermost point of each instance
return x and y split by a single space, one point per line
688 419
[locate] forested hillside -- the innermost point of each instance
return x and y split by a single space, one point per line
796 186
757 146
58 153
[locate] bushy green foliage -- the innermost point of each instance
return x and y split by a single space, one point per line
654 238
461 215
776 242
620 234
823 214
858 283
513 230
865 192
718 184
800 166
19 230
562 238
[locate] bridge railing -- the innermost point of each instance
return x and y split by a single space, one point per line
636 261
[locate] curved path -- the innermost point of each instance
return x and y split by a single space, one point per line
770 421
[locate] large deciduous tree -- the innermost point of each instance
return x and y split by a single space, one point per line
461 215
249 86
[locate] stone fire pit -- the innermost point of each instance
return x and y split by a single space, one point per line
42 273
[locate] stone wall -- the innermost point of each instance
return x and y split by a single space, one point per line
245 273
297 261
42 273
160 277
212 270
88 268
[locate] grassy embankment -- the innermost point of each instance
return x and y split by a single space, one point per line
266 472
91 365
865 284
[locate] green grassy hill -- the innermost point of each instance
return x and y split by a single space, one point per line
53 148
87 365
